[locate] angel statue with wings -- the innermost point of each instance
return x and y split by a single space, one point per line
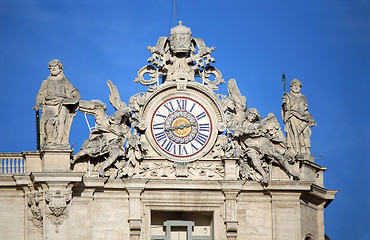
258 142
110 134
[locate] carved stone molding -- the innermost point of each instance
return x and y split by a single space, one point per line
57 205
166 169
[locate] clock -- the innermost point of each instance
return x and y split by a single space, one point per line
182 127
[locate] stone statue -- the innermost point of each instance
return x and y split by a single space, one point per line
261 141
297 121
180 57
234 105
110 133
59 100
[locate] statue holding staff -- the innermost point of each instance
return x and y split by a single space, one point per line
59 100
297 121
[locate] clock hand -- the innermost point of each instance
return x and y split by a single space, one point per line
181 126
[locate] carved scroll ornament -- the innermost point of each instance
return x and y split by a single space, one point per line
34 200
57 205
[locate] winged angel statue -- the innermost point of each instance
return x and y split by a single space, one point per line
257 141
111 138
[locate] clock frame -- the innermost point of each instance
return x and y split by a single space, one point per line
182 126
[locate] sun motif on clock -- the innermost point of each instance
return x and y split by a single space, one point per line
181 127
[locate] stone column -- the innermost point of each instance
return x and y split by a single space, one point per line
286 220
231 189
134 188
320 221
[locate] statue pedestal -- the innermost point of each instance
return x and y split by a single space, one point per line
230 168
57 189
306 157
310 171
56 160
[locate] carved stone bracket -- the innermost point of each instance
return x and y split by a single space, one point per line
231 190
182 169
134 189
57 204
35 216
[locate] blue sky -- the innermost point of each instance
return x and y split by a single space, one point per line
324 43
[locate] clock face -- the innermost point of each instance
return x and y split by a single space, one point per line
181 128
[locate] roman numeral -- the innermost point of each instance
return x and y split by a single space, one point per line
204 127
201 138
170 146
182 104
164 142
193 148
169 107
191 109
202 115
158 114
160 136
158 125
182 149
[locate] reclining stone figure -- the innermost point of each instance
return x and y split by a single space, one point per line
111 132
261 140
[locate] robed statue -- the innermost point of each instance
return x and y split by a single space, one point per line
297 121
59 100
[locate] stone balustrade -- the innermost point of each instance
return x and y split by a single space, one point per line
12 163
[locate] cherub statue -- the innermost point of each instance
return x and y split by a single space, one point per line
59 100
261 141
297 120
110 133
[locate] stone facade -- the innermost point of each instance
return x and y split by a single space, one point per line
131 208
177 162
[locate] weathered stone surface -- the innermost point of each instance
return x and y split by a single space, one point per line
12 214
297 120
55 160
59 100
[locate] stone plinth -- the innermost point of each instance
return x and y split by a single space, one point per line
33 161
230 170
56 160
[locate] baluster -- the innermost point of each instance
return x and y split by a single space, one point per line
7 165
2 165
15 165
23 162
11 165
19 165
